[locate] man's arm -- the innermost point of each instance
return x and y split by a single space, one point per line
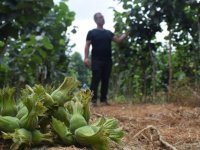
87 50
120 38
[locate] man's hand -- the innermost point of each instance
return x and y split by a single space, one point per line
87 62
119 39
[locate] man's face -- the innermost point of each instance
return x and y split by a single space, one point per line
99 19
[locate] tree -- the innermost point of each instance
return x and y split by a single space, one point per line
77 67
40 51
139 56
17 16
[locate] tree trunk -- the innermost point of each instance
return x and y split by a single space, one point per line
170 66
198 57
144 91
153 75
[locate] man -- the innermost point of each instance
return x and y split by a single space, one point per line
101 61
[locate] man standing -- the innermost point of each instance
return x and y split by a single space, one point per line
101 60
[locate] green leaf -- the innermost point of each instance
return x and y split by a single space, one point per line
62 42
63 7
47 43
37 59
32 40
42 52
2 43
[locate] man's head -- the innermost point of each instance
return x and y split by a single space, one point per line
99 19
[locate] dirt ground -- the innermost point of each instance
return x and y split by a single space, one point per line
156 127
152 127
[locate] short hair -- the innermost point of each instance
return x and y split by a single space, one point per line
95 15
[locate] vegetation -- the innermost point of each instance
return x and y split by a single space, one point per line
35 56
35 47
142 65
76 67
62 114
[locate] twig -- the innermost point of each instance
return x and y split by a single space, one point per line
160 137
98 115
154 119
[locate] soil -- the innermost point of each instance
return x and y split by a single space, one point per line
151 127
156 127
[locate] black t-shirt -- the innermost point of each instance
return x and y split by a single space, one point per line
101 43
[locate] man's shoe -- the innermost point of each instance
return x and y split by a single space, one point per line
105 103
94 104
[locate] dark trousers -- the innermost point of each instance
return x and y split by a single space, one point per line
100 73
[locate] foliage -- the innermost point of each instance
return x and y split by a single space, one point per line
39 50
18 16
35 46
77 67
141 63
